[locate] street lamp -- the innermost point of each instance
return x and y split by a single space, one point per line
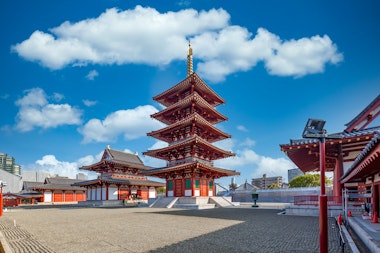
314 130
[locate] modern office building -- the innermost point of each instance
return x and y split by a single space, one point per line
8 164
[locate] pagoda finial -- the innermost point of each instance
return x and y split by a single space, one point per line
189 60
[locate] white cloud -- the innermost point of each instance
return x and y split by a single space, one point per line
131 123
249 163
242 128
248 142
154 162
53 166
145 36
89 103
35 111
92 74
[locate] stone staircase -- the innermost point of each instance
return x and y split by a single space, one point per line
164 202
193 203
221 202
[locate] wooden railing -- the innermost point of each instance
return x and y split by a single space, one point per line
312 200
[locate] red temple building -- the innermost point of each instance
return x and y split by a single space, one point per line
354 158
120 178
190 116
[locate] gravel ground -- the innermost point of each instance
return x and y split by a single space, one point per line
162 230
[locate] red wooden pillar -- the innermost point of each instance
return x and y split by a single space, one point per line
1 201
192 186
375 199
338 173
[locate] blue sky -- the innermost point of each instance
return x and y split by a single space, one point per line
77 76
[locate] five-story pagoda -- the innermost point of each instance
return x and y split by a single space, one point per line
190 116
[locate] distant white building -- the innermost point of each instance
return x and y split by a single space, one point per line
13 182
35 176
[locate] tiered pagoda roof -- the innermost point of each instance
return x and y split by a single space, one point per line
189 105
190 116
203 127
189 85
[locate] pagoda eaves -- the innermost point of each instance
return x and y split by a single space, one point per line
195 147
183 88
192 104
195 123
191 169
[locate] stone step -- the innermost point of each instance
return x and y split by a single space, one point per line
194 206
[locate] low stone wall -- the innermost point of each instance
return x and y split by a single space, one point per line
332 211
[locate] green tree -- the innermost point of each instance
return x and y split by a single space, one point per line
307 180
161 190
273 186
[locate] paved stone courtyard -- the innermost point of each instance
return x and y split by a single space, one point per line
162 230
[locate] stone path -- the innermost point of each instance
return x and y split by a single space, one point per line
163 230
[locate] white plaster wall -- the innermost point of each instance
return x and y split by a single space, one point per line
152 192
112 192
98 193
104 192
88 193
170 193
210 193
48 196
187 193
197 193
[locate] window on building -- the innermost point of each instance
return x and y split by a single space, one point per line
210 184
188 183
170 185
196 183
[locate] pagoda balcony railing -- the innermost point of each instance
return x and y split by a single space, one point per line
189 160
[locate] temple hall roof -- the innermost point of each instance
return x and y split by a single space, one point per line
117 160
305 152
121 181
364 164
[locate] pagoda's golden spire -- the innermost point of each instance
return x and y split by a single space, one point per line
189 60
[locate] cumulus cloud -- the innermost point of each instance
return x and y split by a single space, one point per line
92 74
89 103
145 36
154 162
252 165
131 123
36 111
242 128
53 166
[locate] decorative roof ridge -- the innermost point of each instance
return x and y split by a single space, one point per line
362 113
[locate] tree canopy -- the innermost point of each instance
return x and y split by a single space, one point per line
307 180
